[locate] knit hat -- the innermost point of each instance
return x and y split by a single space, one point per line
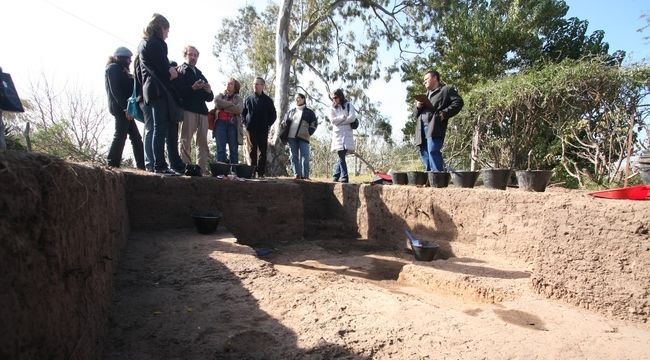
122 52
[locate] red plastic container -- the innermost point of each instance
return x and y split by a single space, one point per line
639 192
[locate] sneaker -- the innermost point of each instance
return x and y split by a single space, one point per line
306 178
167 172
335 179
344 181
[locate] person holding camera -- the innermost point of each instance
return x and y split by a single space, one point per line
432 117
194 91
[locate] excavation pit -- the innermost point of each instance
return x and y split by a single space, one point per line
100 263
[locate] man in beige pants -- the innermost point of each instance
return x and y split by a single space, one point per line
194 91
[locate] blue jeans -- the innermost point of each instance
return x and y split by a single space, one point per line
424 148
435 155
148 136
164 132
430 153
299 150
226 133
341 167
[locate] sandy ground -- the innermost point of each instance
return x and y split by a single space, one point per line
181 295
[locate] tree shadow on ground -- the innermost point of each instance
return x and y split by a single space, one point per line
174 299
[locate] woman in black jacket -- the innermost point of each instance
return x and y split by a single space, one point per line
119 85
157 91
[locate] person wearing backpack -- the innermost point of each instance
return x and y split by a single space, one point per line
119 85
342 115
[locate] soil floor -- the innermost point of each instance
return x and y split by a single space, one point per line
182 295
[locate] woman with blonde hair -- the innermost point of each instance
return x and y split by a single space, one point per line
227 125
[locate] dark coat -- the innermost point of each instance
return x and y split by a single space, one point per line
119 86
445 100
259 113
192 100
153 56
306 128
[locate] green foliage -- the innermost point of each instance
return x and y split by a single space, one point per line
575 115
471 42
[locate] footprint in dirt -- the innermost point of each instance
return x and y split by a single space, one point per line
521 318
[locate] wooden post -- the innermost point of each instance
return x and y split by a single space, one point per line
629 150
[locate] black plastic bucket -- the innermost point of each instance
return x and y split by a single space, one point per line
244 171
206 223
496 178
438 179
417 177
533 180
422 250
220 169
399 178
464 179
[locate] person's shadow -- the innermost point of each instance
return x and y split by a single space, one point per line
179 295
386 222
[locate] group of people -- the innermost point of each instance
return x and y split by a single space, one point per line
162 87
169 95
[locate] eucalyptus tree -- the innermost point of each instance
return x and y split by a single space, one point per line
333 41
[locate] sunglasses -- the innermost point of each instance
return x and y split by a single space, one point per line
335 97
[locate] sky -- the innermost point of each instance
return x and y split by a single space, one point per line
69 41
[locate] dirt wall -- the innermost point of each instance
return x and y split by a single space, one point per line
61 226
257 212
592 253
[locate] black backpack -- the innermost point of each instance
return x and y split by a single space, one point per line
355 124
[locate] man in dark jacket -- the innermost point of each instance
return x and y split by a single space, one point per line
432 118
194 91
119 86
259 114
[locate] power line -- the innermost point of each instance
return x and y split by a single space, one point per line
87 22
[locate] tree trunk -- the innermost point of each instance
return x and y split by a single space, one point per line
276 158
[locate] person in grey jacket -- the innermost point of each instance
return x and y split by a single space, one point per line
432 120
298 125
119 86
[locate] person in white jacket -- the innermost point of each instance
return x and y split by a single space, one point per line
342 114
